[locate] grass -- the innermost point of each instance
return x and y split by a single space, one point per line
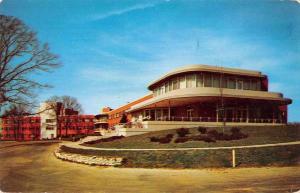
256 135
267 156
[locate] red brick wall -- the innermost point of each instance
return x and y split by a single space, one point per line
21 128
115 115
75 125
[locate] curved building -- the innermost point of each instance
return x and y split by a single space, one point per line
210 95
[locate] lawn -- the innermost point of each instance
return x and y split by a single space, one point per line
256 135
266 156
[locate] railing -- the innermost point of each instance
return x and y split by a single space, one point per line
214 119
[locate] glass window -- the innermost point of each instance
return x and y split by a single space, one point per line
189 80
182 83
207 80
166 87
231 83
253 85
240 84
170 86
199 80
246 85
175 84
216 81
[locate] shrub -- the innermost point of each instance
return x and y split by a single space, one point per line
165 140
181 139
213 133
154 139
182 132
235 130
208 139
169 136
202 130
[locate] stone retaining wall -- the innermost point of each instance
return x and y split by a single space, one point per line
89 160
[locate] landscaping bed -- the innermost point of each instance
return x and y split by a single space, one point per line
218 137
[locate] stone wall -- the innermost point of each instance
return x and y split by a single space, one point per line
89 160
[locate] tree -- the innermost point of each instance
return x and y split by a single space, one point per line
68 102
124 119
21 57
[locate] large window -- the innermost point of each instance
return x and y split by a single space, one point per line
246 85
231 83
190 79
239 84
216 81
175 84
199 80
207 80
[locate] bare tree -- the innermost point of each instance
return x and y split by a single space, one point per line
21 57
68 102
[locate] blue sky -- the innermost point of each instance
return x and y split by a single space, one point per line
111 50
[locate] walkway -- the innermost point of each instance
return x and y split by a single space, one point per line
78 146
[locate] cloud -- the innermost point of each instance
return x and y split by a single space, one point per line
122 11
1 1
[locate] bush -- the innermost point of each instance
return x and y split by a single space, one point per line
154 139
165 140
181 139
213 133
208 139
169 136
235 130
202 130
182 132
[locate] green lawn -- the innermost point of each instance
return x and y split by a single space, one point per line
256 135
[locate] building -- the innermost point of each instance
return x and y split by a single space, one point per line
211 96
101 119
57 121
53 121
114 116
21 128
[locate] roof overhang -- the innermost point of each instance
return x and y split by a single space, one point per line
193 95
207 68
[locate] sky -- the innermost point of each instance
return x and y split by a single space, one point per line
112 49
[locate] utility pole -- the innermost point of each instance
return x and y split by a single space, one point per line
223 113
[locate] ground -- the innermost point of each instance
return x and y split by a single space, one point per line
35 169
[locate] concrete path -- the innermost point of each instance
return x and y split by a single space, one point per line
78 146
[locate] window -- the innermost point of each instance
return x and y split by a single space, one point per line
49 128
182 83
253 85
207 80
199 80
240 84
189 80
50 120
216 81
246 85
166 87
231 83
175 84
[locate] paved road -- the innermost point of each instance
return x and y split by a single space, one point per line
34 169
78 146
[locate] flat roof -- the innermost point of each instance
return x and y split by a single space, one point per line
208 68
